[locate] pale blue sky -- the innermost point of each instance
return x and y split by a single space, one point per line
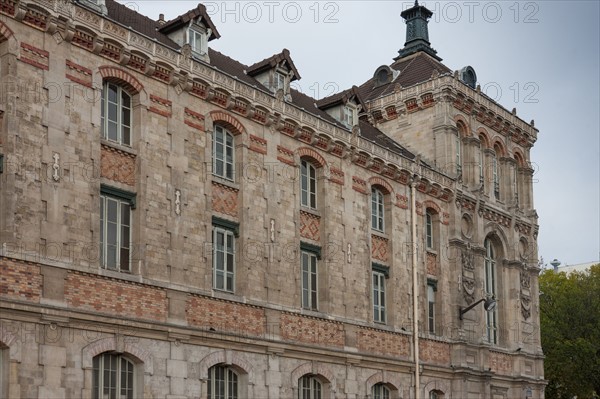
541 57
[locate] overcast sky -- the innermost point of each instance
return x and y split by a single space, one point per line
540 57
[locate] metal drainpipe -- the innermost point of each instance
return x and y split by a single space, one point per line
413 207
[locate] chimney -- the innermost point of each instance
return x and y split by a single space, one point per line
161 19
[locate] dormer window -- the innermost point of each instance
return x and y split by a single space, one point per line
348 115
197 40
279 81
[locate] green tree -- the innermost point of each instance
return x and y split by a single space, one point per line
570 329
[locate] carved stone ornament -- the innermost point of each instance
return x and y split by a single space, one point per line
468 275
177 202
525 278
469 289
467 260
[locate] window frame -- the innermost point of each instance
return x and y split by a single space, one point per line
120 108
377 210
99 372
379 275
380 391
496 175
429 230
279 79
490 287
310 387
348 115
122 199
309 277
458 154
196 38
217 269
431 304
308 184
230 379
223 141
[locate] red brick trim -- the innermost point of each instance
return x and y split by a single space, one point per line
79 69
228 120
287 155
432 205
5 32
163 103
111 72
359 185
336 176
378 181
258 144
193 119
314 155
27 48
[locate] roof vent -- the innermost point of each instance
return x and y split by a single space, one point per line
384 75
468 76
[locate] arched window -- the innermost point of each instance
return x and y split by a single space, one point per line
490 290
113 377
222 383
223 153
115 114
309 387
308 184
377 210
380 391
436 395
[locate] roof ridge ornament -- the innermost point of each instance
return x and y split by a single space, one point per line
417 32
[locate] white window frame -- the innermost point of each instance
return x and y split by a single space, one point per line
279 81
123 131
120 235
481 163
308 184
380 391
377 209
221 270
490 291
379 296
98 375
230 386
429 233
496 175
348 115
309 277
431 308
309 387
197 40
458 154
223 153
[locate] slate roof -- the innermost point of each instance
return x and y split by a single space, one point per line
413 70
273 60
184 19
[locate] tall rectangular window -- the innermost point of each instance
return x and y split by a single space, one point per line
378 296
496 177
431 308
348 116
309 280
223 154
197 41
490 291
308 184
223 259
377 210
458 155
115 231
429 230
115 114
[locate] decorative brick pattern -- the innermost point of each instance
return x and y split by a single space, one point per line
8 7
240 106
193 119
260 116
36 19
115 297
286 156
258 144
117 165
220 98
359 185
382 183
339 150
370 340
501 362
20 280
199 89
236 318
137 62
224 199
402 201
434 352
288 128
160 106
305 136
379 248
431 261
322 143
427 100
496 217
391 112
312 330
111 51
336 176
131 83
313 155
310 226
83 39
411 105
231 122
79 74
162 73
34 56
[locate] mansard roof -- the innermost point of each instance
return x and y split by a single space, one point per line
184 19
341 98
414 69
128 17
272 61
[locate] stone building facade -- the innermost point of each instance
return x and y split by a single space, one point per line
175 224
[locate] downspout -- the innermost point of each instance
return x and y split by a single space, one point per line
415 290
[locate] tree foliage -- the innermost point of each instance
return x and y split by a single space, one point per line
570 329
